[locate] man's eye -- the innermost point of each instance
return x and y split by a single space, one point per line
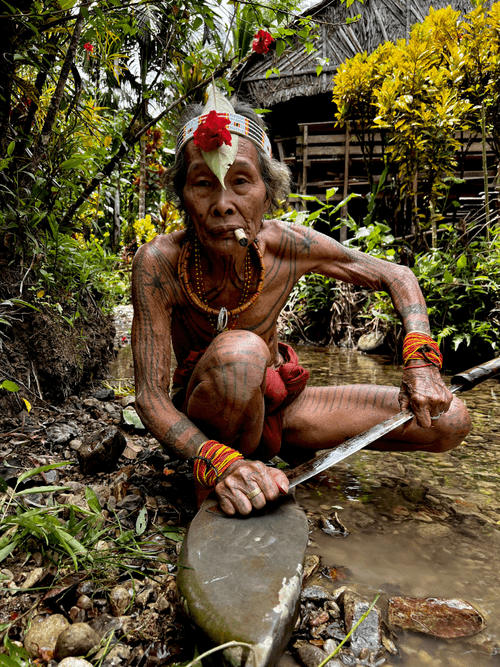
202 184
240 181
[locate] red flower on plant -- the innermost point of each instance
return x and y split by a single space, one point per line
212 132
88 47
261 42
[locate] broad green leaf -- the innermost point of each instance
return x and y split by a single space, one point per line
173 534
5 661
220 159
10 386
447 277
92 500
142 521
462 261
280 47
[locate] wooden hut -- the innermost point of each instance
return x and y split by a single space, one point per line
301 119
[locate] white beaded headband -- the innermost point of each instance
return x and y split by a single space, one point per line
237 125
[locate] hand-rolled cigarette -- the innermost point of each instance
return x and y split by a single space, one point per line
241 237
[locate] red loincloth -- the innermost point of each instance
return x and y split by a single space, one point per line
283 385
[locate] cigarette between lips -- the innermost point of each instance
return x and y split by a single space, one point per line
241 237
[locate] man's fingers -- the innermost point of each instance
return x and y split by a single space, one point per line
249 486
280 479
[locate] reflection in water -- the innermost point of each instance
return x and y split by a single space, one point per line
448 547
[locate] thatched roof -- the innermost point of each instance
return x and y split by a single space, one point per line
381 20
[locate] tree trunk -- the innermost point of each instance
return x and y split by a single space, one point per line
485 171
115 240
142 179
55 102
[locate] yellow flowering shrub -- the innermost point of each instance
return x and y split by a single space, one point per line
145 230
171 218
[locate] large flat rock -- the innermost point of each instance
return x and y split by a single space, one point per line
240 579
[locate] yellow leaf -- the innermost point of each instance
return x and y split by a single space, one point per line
27 404
107 141
40 293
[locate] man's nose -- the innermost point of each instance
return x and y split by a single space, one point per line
223 205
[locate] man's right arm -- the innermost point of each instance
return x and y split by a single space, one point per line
154 290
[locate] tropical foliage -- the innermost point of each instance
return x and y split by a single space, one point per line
419 95
90 95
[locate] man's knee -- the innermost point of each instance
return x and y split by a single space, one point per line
235 362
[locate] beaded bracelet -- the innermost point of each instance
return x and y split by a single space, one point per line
212 460
419 345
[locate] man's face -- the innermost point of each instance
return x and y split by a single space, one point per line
216 212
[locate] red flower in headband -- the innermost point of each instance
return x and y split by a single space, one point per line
212 132
261 42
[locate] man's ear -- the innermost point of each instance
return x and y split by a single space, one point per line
267 204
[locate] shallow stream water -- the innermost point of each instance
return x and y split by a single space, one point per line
420 525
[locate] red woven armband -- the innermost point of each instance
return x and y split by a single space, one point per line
418 345
211 461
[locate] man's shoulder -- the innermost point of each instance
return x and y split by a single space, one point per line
163 246
281 234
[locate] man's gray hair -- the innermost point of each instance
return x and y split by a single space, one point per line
275 174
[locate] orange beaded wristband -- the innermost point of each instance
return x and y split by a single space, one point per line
212 460
418 345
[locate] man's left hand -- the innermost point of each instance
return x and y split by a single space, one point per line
424 392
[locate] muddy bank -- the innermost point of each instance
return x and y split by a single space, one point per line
49 353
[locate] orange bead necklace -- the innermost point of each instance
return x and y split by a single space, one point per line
219 318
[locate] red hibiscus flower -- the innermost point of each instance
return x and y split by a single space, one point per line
212 133
261 42
88 47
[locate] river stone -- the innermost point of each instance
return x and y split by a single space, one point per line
315 593
60 434
368 634
371 341
101 452
312 656
119 654
105 625
434 530
43 634
103 394
435 616
240 577
77 640
120 599
74 662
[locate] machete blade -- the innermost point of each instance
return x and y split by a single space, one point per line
311 468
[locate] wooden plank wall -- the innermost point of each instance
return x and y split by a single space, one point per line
324 155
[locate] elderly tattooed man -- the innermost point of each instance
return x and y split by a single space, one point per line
238 397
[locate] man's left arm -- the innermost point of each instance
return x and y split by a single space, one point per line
422 388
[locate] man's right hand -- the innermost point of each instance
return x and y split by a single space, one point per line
238 487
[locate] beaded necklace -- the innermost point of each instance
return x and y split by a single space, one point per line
196 296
